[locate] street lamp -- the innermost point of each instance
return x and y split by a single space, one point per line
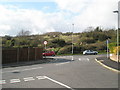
72 40
117 11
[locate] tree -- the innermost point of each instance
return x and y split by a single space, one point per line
24 33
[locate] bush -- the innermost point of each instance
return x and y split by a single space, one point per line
55 50
59 42
90 47
112 46
88 40
65 50
68 49
115 50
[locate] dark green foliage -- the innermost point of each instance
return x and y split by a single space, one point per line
65 50
58 42
88 40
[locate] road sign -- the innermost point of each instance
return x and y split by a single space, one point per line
45 42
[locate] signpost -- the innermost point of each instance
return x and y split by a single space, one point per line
45 43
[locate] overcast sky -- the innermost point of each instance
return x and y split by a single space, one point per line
41 16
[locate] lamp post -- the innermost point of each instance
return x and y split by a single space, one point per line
118 31
72 40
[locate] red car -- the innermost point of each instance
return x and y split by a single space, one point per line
49 53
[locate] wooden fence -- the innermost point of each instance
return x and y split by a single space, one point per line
14 55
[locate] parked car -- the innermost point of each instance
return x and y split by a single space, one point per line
90 52
49 53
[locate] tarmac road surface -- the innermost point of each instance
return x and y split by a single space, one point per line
83 72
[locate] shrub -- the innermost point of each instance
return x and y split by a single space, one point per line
112 46
115 50
88 40
65 50
68 49
60 42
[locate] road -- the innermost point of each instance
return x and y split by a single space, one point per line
83 72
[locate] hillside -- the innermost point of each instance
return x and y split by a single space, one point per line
61 42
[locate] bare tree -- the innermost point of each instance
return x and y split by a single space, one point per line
24 33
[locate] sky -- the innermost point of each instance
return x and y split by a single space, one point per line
41 16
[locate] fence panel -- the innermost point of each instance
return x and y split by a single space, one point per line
21 55
31 54
38 53
9 56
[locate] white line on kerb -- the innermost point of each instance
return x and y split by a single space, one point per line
11 71
62 63
59 83
22 70
31 69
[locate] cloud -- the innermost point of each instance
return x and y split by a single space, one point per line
91 12
74 6
83 13
33 20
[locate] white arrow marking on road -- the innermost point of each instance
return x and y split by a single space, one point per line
29 79
14 80
41 77
2 82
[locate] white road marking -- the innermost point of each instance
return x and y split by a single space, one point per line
88 59
29 79
22 70
79 59
72 58
11 71
14 80
41 77
59 83
31 69
63 63
63 57
2 82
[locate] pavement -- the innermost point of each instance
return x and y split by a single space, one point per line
107 62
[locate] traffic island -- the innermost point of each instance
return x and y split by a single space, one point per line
108 63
